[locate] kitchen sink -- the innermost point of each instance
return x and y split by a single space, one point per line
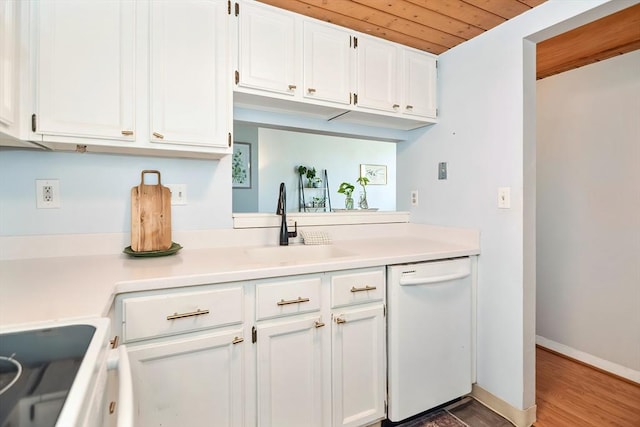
296 253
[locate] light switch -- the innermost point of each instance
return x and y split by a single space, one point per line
442 170
504 197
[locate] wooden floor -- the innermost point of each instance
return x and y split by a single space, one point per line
571 394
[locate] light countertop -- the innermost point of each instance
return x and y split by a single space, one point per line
57 288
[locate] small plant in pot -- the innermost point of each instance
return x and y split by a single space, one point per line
362 203
312 179
310 173
347 189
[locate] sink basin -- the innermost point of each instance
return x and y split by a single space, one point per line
296 254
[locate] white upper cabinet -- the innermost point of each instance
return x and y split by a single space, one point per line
327 63
378 71
9 67
84 73
291 63
268 50
419 84
132 77
189 78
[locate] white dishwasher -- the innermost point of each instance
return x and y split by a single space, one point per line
429 335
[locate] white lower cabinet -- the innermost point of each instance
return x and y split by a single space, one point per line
292 344
187 352
358 366
358 347
292 374
305 350
189 381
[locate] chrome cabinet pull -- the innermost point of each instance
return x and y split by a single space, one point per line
311 90
292 87
319 324
158 135
237 340
366 288
293 301
112 407
198 312
409 107
395 106
340 320
127 132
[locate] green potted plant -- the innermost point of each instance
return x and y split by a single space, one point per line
363 181
312 179
347 189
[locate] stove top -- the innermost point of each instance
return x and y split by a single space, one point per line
37 369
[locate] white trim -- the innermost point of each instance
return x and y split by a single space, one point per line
260 220
519 417
605 365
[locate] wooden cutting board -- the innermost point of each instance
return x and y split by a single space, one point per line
150 216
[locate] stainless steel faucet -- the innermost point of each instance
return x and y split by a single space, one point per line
281 210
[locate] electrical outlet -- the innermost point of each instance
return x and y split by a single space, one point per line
178 193
47 193
414 197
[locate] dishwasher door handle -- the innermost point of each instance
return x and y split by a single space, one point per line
432 279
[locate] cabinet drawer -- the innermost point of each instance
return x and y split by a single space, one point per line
285 298
357 288
169 314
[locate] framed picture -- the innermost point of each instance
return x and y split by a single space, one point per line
377 174
241 165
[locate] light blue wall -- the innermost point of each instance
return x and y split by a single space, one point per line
95 191
487 135
95 188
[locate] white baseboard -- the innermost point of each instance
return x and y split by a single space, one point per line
519 417
605 365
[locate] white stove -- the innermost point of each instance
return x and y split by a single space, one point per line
54 374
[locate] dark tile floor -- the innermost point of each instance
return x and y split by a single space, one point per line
468 410
475 414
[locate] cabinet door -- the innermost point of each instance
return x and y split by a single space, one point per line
8 66
419 84
327 63
190 85
84 68
293 373
189 381
358 360
269 56
378 74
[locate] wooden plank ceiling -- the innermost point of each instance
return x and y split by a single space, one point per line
436 26
612 35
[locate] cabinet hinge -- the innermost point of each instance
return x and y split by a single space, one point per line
355 42
237 78
254 334
34 122
355 99
229 140
237 11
